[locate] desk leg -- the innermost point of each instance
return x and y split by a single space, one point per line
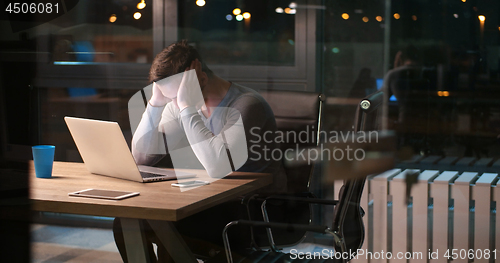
173 241
136 251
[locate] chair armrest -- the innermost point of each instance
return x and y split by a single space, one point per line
304 199
289 227
259 197
265 215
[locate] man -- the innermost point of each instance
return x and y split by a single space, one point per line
222 114
200 114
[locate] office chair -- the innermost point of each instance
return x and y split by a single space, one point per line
347 227
294 111
297 111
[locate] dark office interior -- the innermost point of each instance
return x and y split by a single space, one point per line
435 64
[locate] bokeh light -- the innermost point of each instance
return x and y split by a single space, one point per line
141 5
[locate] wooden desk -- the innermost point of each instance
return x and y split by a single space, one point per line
157 201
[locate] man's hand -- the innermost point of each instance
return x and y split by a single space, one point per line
189 94
398 60
157 98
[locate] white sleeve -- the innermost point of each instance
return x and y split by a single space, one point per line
148 144
210 149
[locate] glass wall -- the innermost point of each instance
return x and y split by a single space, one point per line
345 49
100 31
437 62
240 32
82 54
448 53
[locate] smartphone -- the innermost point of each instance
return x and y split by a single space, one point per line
104 194
190 183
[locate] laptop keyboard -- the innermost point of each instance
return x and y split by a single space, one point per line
150 175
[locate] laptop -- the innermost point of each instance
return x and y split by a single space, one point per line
105 152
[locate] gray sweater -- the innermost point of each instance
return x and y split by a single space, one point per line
194 141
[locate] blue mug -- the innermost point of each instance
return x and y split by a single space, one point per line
43 157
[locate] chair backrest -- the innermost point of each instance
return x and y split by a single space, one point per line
367 112
347 217
299 113
3 121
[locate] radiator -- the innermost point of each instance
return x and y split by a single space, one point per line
449 211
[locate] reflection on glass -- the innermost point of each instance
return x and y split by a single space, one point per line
85 102
241 32
102 31
446 90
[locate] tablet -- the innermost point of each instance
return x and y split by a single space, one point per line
104 194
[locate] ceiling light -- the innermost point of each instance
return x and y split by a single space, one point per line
200 2
141 5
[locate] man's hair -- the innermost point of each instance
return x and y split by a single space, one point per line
175 59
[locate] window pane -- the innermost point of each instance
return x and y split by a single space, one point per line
88 102
224 37
438 61
102 31
354 44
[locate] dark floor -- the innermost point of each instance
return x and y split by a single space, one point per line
54 244
71 244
